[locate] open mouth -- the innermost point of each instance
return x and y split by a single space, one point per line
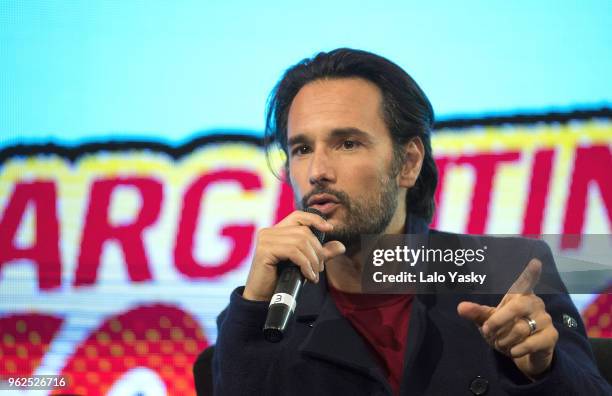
325 203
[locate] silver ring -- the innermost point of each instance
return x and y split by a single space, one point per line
531 323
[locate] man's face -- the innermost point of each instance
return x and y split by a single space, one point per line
341 157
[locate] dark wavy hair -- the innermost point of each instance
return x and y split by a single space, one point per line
406 110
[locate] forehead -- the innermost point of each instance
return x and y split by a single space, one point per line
324 105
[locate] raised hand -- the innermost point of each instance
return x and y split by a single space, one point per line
519 327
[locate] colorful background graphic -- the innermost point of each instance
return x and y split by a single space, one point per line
119 249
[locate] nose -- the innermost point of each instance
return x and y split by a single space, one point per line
321 168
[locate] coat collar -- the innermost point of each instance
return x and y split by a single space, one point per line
333 338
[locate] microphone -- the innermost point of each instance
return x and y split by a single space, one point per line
283 302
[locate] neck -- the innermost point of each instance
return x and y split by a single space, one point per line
345 272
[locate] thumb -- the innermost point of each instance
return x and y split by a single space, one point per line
475 312
332 249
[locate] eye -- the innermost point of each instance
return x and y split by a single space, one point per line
300 150
349 144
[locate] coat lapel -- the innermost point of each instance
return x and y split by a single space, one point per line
418 313
332 337
412 374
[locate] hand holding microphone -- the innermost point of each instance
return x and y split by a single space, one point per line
289 241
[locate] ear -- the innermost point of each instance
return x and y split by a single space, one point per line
414 152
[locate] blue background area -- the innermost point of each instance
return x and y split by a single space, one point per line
76 71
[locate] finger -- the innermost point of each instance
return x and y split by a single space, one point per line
527 280
475 312
315 254
288 250
500 334
298 257
281 243
516 334
315 247
323 252
299 217
302 238
506 315
539 342
332 249
521 330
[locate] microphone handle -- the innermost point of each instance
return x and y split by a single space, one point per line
284 299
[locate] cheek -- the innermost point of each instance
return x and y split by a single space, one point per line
365 177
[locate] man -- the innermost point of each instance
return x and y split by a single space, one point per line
356 131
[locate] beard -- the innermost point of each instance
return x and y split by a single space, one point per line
369 215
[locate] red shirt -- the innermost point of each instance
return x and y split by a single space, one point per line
382 319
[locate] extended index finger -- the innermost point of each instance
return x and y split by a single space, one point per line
527 280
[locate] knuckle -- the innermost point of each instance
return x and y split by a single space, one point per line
529 300
515 303
555 335
262 233
295 252
515 307
297 238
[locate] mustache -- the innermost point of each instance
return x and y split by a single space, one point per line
340 195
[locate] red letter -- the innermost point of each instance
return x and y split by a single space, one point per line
26 339
162 338
594 315
592 164
441 164
285 204
98 229
485 166
45 251
241 235
538 192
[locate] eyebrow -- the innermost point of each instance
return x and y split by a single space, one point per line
337 133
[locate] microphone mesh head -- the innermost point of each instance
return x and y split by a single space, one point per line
320 235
